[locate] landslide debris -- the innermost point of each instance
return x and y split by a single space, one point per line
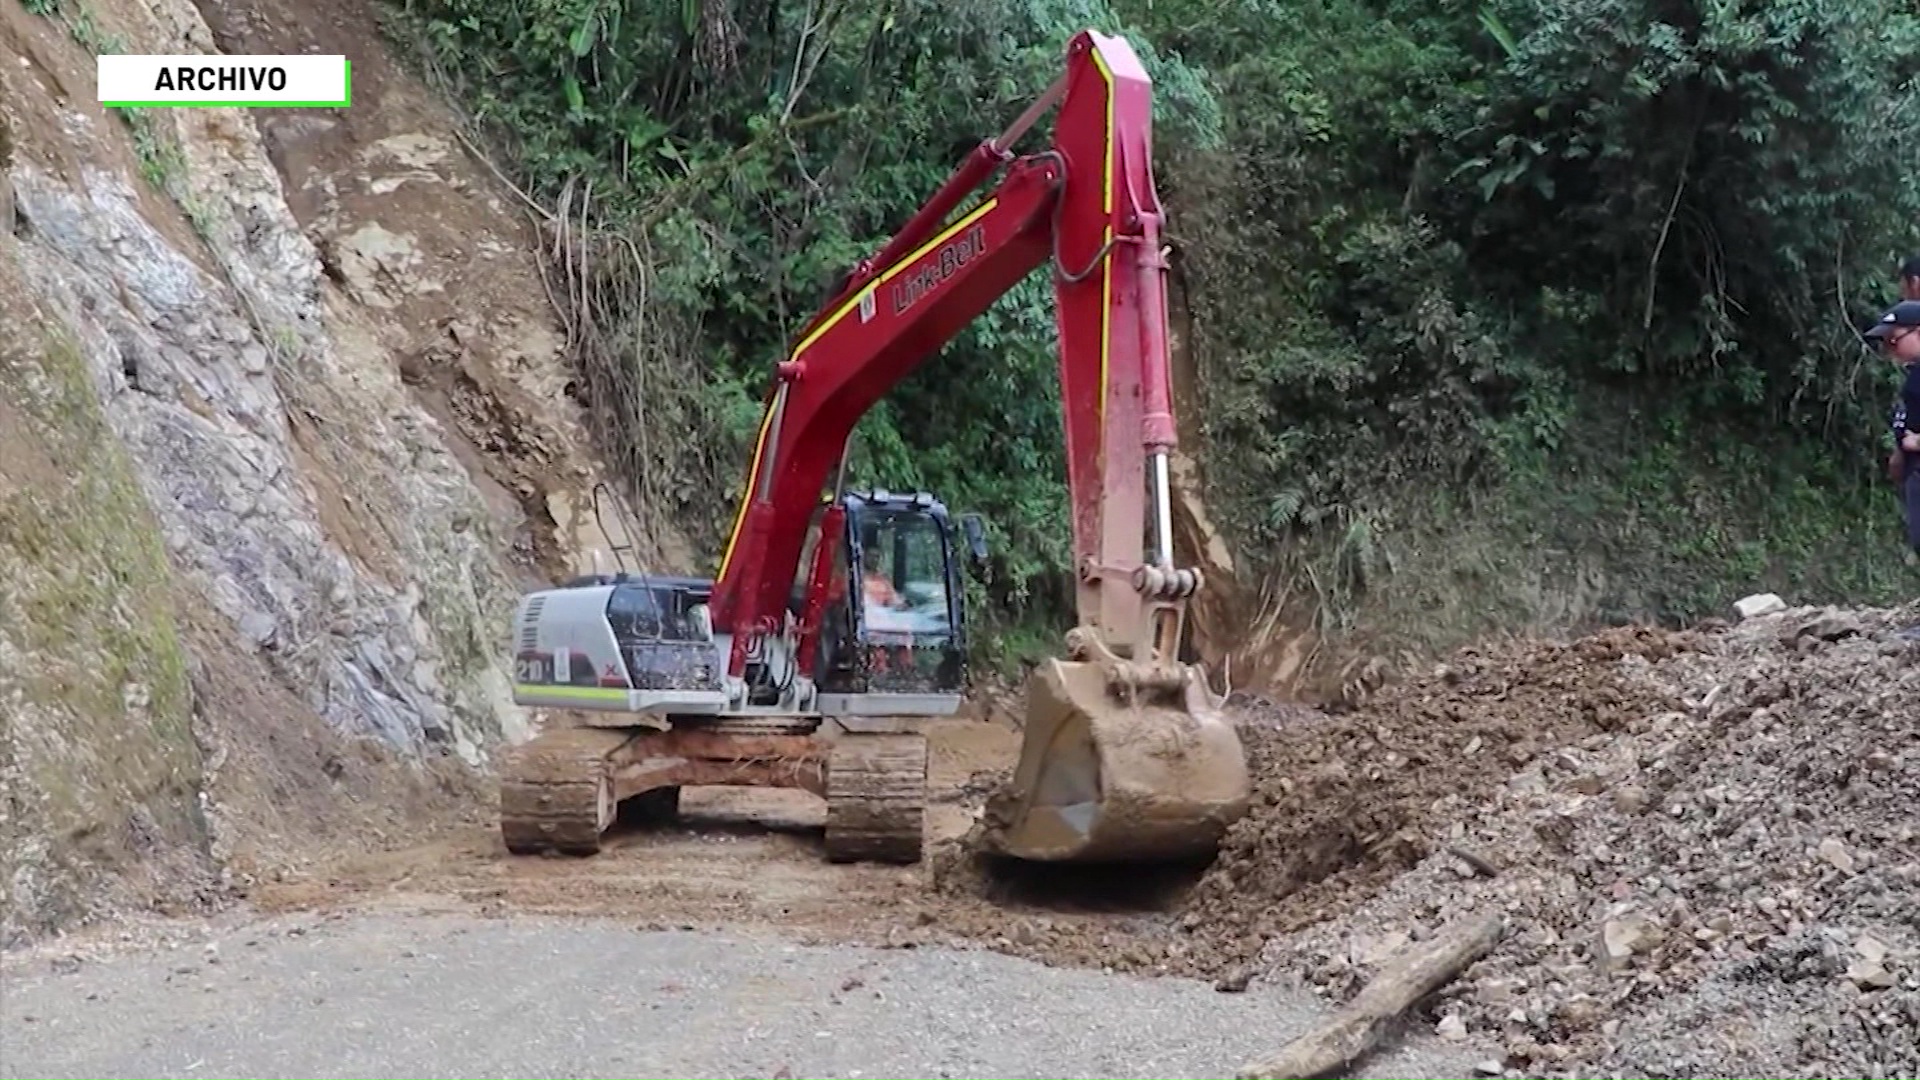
1706 844
1723 879
1345 804
1342 805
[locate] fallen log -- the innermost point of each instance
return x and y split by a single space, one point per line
1411 974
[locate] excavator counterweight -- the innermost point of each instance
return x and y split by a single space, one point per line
836 622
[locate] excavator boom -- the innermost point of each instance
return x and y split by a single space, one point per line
1087 204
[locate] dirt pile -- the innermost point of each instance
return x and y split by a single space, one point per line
1715 871
1344 804
1705 844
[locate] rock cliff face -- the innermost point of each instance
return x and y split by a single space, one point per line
283 428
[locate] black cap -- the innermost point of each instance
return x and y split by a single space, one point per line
1910 268
1904 313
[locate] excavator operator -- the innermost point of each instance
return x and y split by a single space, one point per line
879 591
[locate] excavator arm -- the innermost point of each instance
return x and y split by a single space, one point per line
1087 206
1126 755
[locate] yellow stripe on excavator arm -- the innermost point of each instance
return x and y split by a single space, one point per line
1106 252
746 497
833 320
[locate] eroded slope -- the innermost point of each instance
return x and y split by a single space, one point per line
309 367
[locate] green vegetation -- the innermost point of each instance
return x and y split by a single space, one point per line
1486 297
105 572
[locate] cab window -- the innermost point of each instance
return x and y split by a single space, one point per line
632 613
657 613
904 574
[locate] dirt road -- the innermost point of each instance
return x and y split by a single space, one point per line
753 858
725 946
737 856
1702 844
456 996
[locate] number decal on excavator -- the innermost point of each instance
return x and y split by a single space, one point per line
535 670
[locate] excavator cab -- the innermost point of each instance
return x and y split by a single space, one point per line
896 622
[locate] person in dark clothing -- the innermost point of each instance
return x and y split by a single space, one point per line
1897 336
1909 290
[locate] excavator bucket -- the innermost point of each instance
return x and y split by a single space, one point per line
1118 764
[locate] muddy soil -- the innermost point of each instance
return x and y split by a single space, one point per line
1344 804
1704 845
1347 803
753 857
736 856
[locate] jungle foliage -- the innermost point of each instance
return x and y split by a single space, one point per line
1429 245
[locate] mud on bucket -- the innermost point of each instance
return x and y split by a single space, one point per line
1116 773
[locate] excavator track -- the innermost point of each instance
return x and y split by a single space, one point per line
876 798
556 791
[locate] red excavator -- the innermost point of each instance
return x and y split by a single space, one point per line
836 624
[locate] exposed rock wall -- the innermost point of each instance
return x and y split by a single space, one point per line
289 431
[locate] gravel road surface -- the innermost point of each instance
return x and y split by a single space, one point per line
459 996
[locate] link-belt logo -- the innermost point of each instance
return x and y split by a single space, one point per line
945 263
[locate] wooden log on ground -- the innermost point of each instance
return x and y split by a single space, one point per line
1412 974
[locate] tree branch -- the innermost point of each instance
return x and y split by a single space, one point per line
1412 974
724 165
818 34
1673 207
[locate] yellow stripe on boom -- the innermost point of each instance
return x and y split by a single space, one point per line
833 320
1106 253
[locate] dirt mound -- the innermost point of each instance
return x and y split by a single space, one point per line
1716 872
1344 804
1704 843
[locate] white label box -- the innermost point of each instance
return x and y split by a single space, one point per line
222 80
